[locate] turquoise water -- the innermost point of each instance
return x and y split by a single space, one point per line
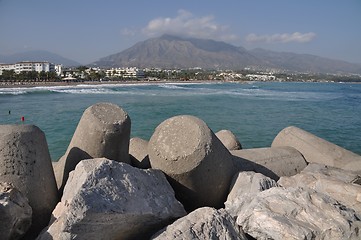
254 112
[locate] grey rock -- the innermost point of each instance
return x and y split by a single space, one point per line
138 151
202 223
245 186
317 150
330 183
335 173
105 199
103 131
272 162
15 212
197 164
295 213
25 163
229 140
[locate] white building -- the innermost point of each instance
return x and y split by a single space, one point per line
6 67
131 72
26 66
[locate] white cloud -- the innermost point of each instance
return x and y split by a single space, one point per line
186 24
282 38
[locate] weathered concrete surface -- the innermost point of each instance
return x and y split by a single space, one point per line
105 199
15 212
272 162
245 186
198 165
317 150
279 213
103 131
25 163
229 140
202 223
138 151
344 191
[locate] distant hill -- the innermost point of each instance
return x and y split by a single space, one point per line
38 56
170 51
305 62
175 52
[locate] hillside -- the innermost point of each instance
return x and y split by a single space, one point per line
175 52
38 56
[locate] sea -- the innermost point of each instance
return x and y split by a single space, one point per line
254 111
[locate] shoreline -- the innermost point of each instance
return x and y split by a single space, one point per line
64 84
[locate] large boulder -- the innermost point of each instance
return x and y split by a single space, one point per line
245 186
103 131
229 140
105 199
138 151
25 163
202 223
15 212
317 150
295 213
272 162
197 164
341 186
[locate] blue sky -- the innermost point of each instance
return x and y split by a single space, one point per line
86 30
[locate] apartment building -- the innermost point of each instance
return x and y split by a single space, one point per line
131 72
26 66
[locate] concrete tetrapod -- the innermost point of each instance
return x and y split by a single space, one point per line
103 131
272 162
198 165
229 140
317 150
25 163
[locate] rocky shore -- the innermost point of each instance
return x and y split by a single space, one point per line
185 182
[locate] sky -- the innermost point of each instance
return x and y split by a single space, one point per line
87 30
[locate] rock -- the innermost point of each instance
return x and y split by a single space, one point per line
229 140
329 183
203 223
15 212
197 164
105 199
294 213
317 150
25 163
335 173
138 151
103 131
245 186
272 162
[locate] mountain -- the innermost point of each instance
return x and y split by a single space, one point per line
170 51
305 62
175 52
38 56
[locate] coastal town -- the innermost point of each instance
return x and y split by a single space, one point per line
25 72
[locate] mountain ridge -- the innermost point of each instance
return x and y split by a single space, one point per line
38 55
168 51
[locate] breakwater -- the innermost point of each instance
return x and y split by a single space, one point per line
202 181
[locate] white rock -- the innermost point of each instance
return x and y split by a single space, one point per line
105 199
294 213
203 223
336 183
245 186
15 212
